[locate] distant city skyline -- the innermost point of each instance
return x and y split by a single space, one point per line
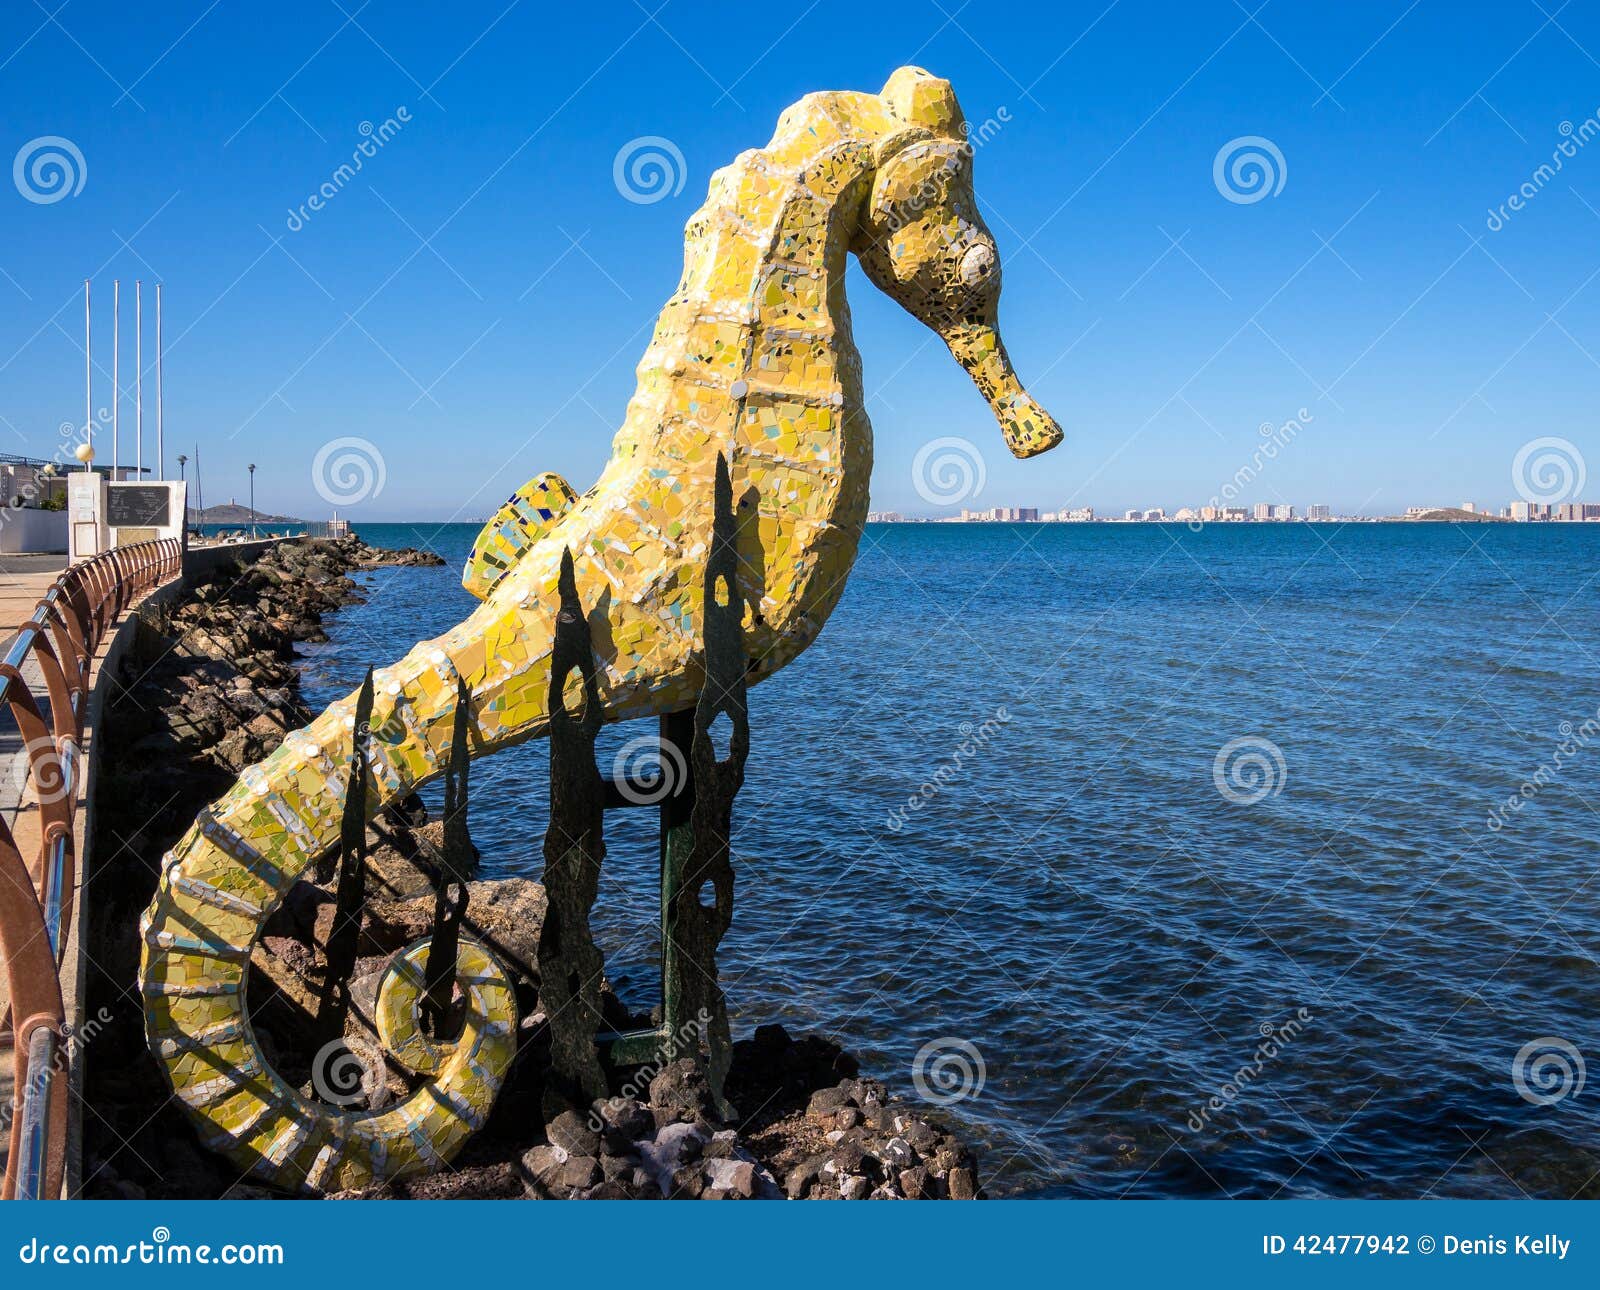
1521 511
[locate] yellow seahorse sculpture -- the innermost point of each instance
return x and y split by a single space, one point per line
752 359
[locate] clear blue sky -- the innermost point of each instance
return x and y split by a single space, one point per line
475 300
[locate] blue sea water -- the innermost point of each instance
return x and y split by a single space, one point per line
1312 968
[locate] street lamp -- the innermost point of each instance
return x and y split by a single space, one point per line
182 457
252 499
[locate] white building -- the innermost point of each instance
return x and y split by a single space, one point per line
30 484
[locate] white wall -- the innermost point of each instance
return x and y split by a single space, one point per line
86 501
29 530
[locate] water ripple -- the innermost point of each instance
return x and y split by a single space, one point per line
1078 899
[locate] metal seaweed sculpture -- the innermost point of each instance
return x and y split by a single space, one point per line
339 955
574 848
695 791
695 925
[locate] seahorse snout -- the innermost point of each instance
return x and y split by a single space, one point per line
1027 427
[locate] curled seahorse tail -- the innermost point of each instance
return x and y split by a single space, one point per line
217 889
198 938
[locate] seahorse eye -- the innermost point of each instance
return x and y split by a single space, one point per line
977 263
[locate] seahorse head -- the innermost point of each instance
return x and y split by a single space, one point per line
922 241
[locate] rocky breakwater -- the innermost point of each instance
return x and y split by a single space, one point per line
808 1129
215 678
211 688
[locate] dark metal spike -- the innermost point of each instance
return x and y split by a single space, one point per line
450 891
350 901
697 928
574 849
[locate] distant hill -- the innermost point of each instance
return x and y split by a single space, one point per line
1455 515
231 513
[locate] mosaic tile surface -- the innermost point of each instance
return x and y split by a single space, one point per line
751 358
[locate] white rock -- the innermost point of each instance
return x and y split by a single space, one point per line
732 1175
662 1156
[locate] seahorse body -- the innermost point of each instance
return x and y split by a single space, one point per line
752 358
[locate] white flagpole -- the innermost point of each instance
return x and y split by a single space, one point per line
161 441
138 378
116 379
88 380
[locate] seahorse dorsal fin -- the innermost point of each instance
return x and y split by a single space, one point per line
527 516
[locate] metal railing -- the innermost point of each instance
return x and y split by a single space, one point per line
61 637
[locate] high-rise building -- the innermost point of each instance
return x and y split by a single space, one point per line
1316 511
1263 510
